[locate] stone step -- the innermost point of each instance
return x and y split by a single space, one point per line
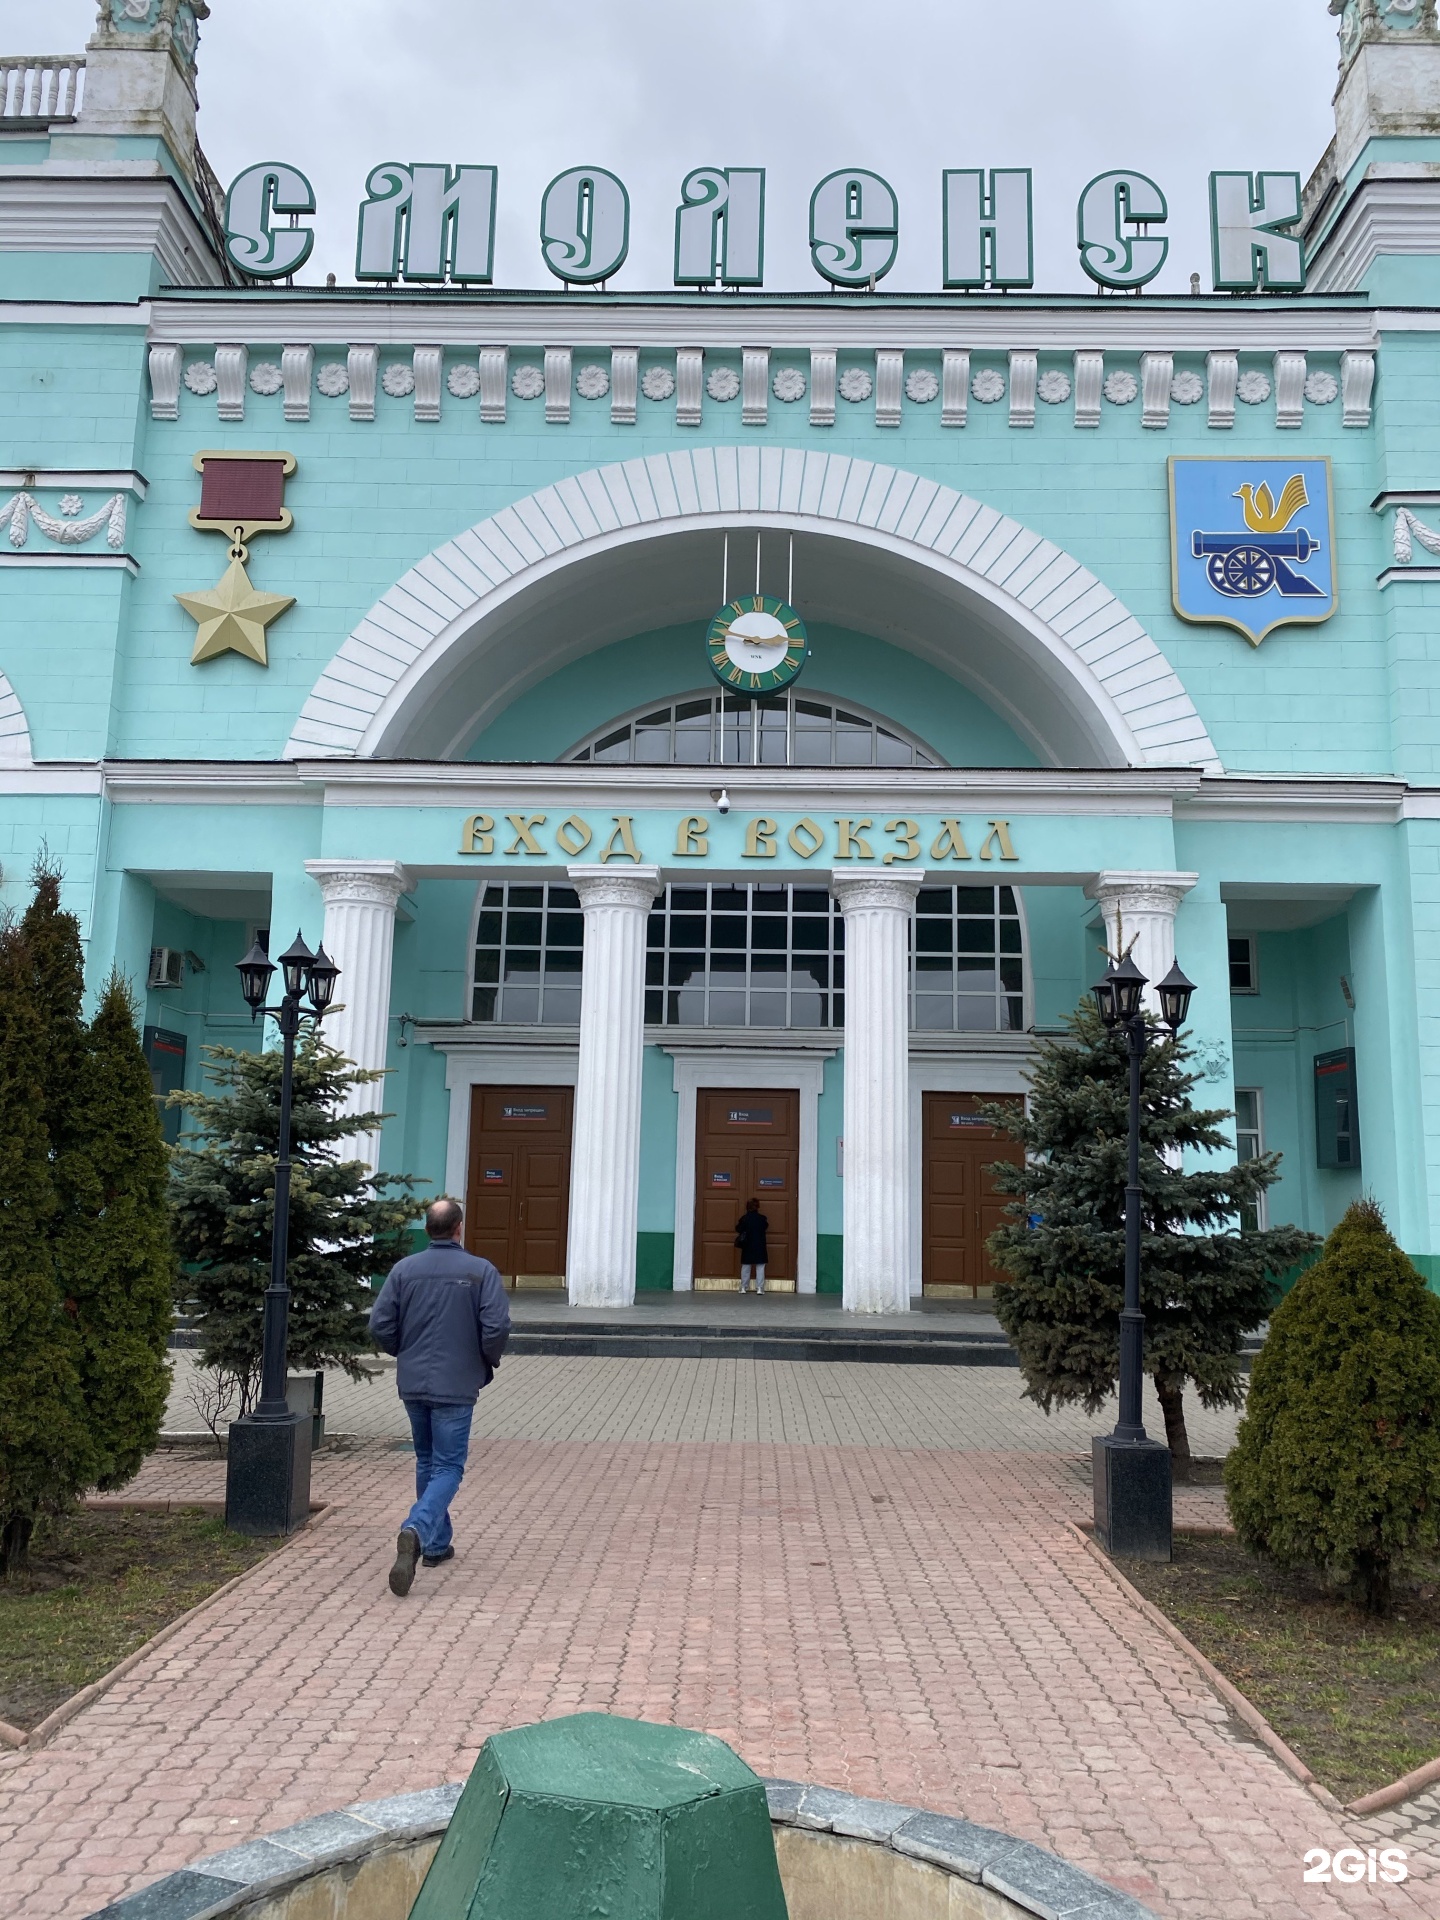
815 1344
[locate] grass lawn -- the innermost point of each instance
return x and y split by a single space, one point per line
1357 1698
99 1584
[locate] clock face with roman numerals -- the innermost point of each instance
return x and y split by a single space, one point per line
756 644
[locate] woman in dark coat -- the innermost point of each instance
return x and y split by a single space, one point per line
750 1239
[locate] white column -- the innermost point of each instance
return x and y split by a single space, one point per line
877 914
1139 910
605 1152
360 900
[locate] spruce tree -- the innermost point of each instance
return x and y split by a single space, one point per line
345 1227
44 1450
1204 1283
1337 1462
114 1252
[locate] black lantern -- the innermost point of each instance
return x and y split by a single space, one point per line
1128 985
255 971
323 975
297 961
1104 992
1175 991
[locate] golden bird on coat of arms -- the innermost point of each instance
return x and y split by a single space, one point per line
1261 513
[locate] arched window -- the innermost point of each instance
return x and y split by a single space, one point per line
720 955
781 730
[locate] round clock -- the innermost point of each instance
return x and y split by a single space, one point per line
756 644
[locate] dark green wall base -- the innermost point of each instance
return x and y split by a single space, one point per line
654 1262
1427 1265
829 1262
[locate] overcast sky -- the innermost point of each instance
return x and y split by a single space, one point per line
652 88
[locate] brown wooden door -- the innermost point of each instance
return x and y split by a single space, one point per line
959 1205
518 1198
747 1146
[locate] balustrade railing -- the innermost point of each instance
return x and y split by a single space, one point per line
41 89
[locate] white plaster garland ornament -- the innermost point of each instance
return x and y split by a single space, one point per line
988 386
71 504
398 380
1187 388
527 383
1053 387
1212 1059
1121 388
21 508
856 385
592 383
788 385
333 379
463 382
201 378
921 386
1406 524
722 384
1321 388
266 377
1253 387
658 384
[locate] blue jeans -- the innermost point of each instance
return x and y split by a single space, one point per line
442 1440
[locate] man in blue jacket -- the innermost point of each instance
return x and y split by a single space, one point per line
444 1314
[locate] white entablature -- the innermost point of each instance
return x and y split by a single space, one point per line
987 600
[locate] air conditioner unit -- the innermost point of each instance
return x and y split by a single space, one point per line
167 967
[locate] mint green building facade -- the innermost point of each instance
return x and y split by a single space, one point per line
484 754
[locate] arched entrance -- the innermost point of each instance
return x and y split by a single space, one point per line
631 547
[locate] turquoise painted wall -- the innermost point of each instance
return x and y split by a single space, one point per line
554 717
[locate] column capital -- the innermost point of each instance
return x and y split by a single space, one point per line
634 887
895 891
1142 891
361 883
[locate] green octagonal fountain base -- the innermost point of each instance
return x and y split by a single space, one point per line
598 1818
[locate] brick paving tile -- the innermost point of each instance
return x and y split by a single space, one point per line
913 1623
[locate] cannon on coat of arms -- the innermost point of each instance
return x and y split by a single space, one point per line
1245 565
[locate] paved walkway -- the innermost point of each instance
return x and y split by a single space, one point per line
910 1620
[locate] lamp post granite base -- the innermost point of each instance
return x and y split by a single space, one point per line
1132 1497
267 1475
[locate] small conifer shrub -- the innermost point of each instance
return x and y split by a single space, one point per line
1337 1462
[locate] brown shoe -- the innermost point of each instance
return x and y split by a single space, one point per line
407 1554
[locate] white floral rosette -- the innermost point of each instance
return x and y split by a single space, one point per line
988 386
592 383
1253 387
658 383
333 379
463 381
1121 388
527 383
722 383
788 385
1321 388
1186 388
398 380
1053 387
921 386
201 378
266 377
855 385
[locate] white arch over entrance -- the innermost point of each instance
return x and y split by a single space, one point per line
989 601
15 749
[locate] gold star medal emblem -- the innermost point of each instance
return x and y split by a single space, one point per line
233 616
241 494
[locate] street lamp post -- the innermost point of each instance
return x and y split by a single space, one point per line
267 1479
1133 1505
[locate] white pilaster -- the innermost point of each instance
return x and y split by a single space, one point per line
877 914
1139 911
605 1152
360 900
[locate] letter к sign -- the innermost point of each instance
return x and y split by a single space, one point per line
241 494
